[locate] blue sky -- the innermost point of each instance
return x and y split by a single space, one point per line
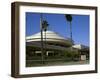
58 23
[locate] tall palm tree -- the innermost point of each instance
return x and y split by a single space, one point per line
42 46
45 26
69 19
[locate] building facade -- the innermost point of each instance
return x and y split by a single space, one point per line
54 47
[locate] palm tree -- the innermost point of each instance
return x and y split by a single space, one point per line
45 26
42 46
69 19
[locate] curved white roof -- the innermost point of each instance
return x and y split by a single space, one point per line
50 36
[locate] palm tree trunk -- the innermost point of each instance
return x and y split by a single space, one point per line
42 46
45 42
71 36
71 32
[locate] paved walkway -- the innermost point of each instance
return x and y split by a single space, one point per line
58 63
